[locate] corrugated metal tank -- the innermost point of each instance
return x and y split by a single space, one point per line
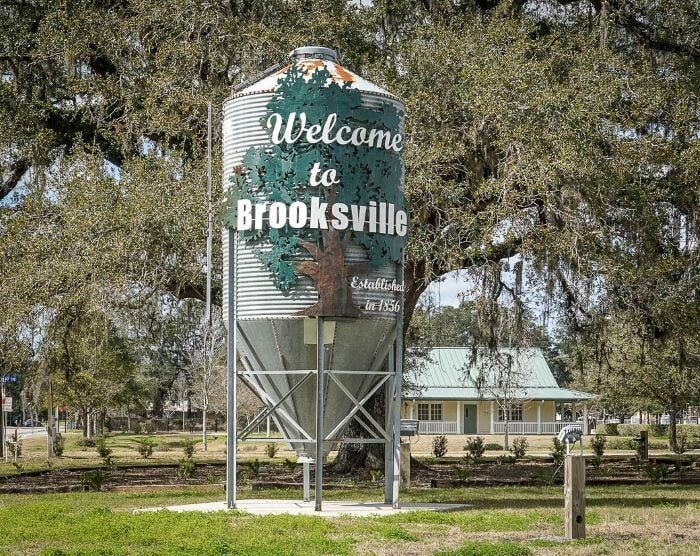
273 340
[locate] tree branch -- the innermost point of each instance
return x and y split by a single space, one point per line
312 248
10 179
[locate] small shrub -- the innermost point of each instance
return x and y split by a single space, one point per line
475 447
598 445
101 446
213 479
188 447
271 449
687 438
558 451
493 447
145 446
439 446
608 429
18 466
186 469
59 445
375 474
93 480
254 467
86 442
14 446
596 461
289 464
504 460
656 472
462 472
519 448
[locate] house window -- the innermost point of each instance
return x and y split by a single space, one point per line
516 413
423 411
430 412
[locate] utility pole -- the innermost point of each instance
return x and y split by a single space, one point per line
210 220
208 336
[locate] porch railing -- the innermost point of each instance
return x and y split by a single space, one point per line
527 427
437 427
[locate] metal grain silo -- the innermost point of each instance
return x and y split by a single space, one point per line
280 277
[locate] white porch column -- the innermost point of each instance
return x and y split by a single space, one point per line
585 420
539 417
491 411
460 418
413 405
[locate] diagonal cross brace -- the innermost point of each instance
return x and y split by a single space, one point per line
358 407
265 396
269 410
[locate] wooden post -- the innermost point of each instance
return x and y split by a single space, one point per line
575 497
405 464
644 435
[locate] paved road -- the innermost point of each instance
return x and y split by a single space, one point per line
25 432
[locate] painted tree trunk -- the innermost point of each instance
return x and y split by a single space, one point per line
334 292
332 286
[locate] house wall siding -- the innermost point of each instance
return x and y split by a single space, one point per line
451 412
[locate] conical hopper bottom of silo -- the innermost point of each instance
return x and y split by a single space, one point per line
276 351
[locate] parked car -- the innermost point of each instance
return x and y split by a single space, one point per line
32 423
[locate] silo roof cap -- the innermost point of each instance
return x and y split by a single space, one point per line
315 52
312 58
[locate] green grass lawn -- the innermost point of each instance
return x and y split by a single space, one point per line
624 520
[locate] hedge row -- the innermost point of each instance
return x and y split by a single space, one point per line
614 429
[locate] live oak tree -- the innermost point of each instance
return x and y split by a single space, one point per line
558 130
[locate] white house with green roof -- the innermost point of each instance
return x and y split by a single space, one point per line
450 394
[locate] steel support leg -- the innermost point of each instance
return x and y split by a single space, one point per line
398 378
389 427
319 413
232 417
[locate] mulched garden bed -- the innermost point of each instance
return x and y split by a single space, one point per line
436 473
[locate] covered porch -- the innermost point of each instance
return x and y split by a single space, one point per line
483 417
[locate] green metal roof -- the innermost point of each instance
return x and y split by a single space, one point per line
447 373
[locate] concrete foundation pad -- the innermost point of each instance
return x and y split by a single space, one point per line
331 508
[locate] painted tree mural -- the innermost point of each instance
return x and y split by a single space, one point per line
281 173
